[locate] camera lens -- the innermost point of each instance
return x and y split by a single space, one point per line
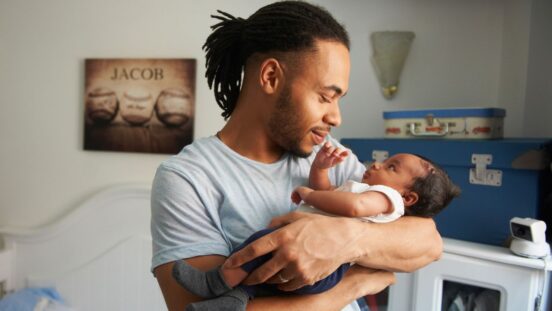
522 232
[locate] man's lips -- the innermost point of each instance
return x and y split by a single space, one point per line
319 136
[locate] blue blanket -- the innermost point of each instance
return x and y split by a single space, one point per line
27 299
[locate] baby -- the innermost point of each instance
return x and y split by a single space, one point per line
403 184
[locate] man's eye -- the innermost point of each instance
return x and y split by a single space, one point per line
325 99
392 167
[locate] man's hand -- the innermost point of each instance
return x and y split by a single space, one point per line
368 281
356 283
307 249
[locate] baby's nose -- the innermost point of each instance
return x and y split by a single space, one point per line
375 166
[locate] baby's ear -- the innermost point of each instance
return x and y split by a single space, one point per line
410 198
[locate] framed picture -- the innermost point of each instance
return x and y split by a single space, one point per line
139 105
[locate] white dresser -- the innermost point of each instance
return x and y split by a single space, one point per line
474 277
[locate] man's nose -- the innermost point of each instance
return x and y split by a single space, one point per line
333 115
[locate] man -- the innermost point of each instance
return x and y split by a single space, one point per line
214 194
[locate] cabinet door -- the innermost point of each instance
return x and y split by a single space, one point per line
499 286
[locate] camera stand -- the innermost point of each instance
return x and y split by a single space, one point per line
529 249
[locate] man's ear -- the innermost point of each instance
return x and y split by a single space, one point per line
271 75
410 198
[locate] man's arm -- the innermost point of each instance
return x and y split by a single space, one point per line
311 246
404 245
357 282
176 297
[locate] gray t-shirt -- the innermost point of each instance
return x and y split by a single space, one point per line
208 199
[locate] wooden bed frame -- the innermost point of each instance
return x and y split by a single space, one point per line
98 256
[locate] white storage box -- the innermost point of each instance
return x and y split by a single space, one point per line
455 123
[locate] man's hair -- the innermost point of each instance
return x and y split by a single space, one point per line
435 191
286 26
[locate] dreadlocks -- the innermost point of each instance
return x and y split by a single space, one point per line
287 26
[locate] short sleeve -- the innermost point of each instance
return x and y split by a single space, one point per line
183 225
396 200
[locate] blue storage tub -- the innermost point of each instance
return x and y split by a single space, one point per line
516 183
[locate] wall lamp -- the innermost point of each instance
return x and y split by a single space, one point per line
390 49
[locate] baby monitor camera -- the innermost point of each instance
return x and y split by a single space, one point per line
529 237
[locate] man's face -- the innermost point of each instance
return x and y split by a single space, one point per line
308 106
397 172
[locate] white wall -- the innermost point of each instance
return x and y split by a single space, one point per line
44 171
513 67
538 116
456 60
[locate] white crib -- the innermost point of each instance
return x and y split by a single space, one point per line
97 257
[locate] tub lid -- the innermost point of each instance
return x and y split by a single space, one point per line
445 113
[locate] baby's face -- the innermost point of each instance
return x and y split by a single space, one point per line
397 172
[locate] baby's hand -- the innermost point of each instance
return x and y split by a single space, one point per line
329 156
299 194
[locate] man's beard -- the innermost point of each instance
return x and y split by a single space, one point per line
285 125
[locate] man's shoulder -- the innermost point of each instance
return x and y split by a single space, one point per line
196 154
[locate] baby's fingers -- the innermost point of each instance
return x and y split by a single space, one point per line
339 153
343 154
327 145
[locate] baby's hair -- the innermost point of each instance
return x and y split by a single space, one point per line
435 191
286 26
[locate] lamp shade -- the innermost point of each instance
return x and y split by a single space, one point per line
390 49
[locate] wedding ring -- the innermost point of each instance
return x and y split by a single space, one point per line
282 279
